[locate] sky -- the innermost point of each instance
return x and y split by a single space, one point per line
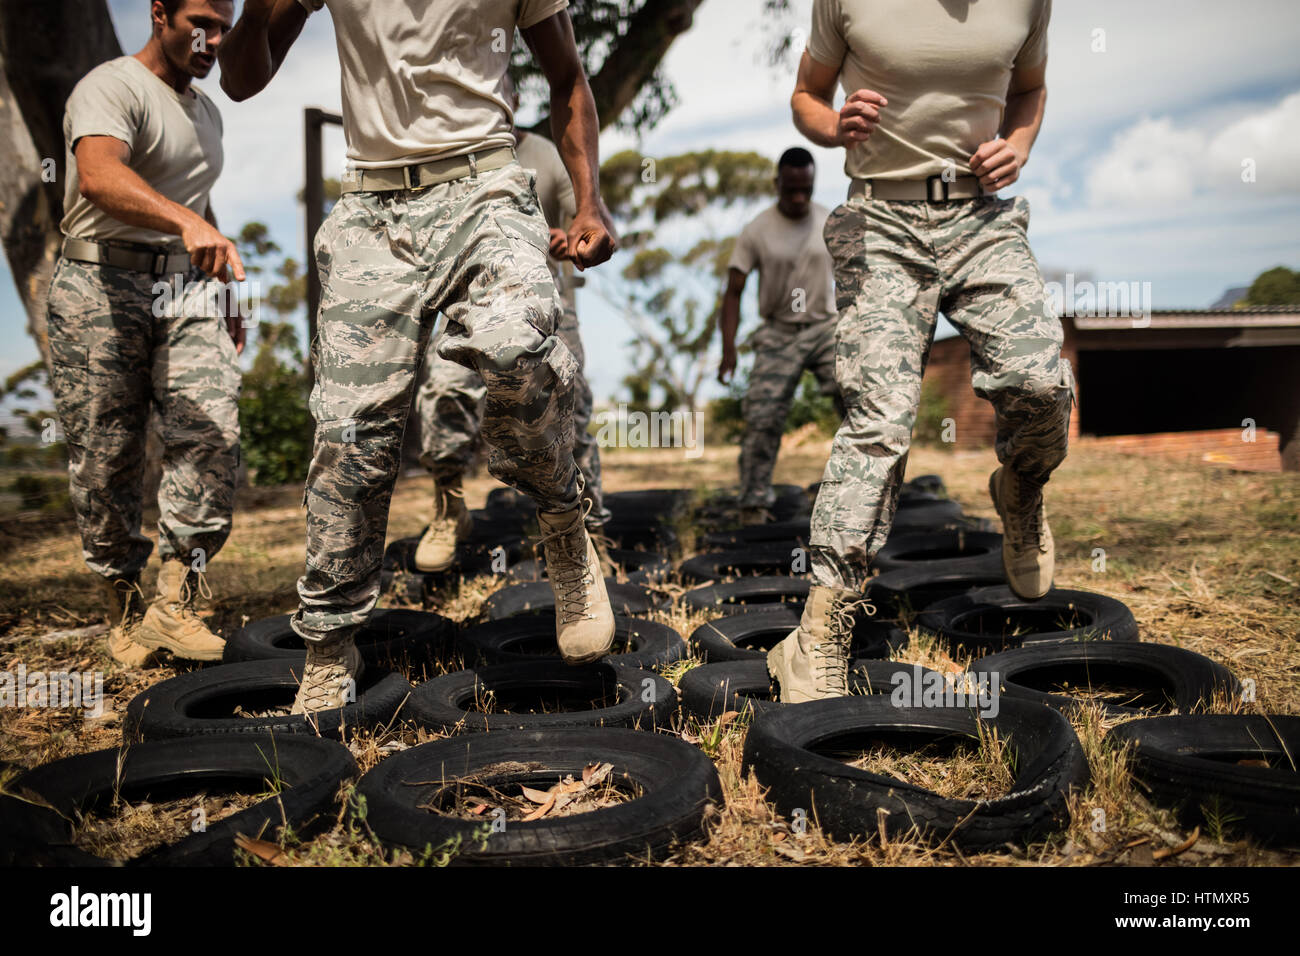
1137 176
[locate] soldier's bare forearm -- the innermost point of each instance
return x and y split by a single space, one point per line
120 192
1024 118
815 118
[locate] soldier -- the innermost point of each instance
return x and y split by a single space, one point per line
436 216
143 151
449 400
795 300
944 101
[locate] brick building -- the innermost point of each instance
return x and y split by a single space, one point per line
1188 384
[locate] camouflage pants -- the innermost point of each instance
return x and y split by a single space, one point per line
449 409
475 250
782 350
111 360
896 265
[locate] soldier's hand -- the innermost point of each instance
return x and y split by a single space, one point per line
997 164
591 238
211 251
727 367
859 116
559 244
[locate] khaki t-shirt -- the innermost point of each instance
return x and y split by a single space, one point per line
422 79
175 143
555 193
943 65
794 266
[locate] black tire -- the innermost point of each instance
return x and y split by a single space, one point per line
793 533
751 634
757 559
642 536
994 619
393 637
923 513
792 501
1165 678
538 598
945 548
199 703
908 591
640 567
529 637
472 557
446 704
749 591
677 782
510 505
845 801
710 690
1189 762
926 484
647 506
310 770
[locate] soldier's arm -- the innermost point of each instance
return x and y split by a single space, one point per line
998 163
106 180
729 322
252 52
576 131
816 118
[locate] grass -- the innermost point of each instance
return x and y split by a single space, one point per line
1208 559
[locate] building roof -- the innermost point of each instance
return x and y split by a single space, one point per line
1266 316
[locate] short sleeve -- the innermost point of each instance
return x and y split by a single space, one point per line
744 255
103 104
311 6
535 11
1034 50
826 42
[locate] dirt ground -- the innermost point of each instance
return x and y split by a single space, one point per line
1208 560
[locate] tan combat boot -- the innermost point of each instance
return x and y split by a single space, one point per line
450 526
329 677
812 663
1028 552
125 603
172 623
584 621
602 545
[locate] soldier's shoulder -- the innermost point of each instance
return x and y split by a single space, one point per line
114 72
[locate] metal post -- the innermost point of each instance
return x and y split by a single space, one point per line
314 199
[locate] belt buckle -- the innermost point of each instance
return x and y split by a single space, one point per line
409 181
933 195
160 263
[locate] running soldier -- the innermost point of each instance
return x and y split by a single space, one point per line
944 102
436 216
796 303
143 152
449 400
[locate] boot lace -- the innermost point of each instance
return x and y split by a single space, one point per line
190 591
571 577
443 527
1029 514
323 676
833 654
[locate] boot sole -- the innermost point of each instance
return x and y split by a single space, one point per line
181 651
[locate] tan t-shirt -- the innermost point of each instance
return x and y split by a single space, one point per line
175 143
555 193
794 266
422 79
943 65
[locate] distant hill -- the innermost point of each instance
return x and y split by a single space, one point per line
1231 297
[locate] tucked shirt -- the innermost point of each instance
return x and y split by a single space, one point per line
943 65
422 79
794 266
174 139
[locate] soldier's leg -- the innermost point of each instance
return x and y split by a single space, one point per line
99 328
772 383
994 295
586 451
887 292
196 379
449 409
371 330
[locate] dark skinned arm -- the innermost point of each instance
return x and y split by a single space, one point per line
729 322
254 49
576 130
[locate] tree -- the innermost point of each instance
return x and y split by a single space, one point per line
1277 286
679 262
